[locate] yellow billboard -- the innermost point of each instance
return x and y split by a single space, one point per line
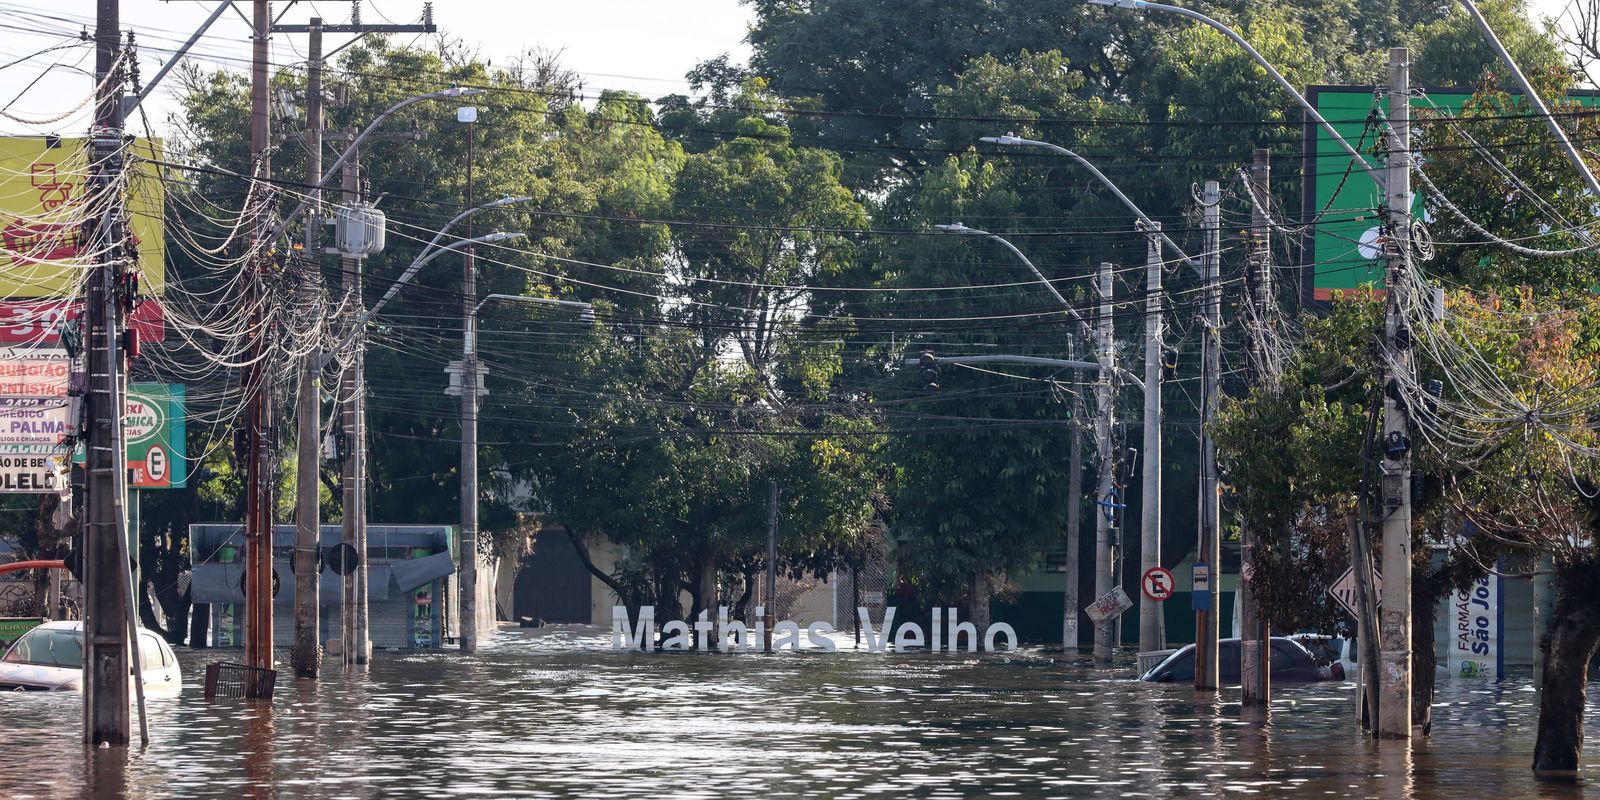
44 186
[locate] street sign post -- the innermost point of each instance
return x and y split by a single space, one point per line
1344 589
1200 590
1158 583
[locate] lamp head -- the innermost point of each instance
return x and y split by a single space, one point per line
501 236
506 201
1136 5
1009 138
460 91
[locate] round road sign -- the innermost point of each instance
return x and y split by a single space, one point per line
1157 583
155 463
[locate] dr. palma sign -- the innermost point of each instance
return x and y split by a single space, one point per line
946 634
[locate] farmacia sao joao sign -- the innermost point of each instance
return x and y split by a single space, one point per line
947 633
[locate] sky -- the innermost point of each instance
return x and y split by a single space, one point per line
640 45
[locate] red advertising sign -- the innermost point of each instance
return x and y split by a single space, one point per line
37 323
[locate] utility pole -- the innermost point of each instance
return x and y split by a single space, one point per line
771 616
469 425
1394 624
1206 665
1152 627
306 655
1254 672
353 629
1073 604
258 478
107 634
1104 567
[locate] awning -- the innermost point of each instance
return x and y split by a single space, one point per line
221 583
414 572
217 583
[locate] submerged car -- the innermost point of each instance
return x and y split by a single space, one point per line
50 658
1290 663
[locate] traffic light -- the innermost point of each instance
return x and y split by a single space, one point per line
930 371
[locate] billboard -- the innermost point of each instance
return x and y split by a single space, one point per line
1477 630
43 184
36 417
154 431
1342 252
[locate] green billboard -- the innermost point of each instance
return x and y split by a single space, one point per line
155 436
1341 251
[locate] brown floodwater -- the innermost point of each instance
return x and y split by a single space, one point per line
561 715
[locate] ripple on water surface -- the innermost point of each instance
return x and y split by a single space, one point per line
557 714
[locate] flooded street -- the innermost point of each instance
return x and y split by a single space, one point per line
561 715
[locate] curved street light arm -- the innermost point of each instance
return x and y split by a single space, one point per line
1083 326
1018 141
586 308
405 277
1036 361
1533 97
351 149
1143 5
504 201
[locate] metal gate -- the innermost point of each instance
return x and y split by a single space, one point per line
553 585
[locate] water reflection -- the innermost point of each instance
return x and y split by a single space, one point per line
560 715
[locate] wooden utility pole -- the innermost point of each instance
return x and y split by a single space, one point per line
1105 409
1254 652
306 655
1206 673
106 639
1394 623
1152 628
258 470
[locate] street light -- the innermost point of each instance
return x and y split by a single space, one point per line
469 453
421 260
1105 363
1143 5
1014 140
1152 625
354 147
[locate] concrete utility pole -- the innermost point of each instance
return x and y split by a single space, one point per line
772 564
1104 568
306 654
1073 604
353 629
1254 671
1152 626
1206 665
1394 624
258 478
469 425
106 640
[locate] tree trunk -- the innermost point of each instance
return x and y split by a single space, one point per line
981 593
1574 632
1424 658
706 586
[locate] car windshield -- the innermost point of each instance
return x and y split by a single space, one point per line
48 647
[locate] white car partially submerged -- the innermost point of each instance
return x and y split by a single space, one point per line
50 658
